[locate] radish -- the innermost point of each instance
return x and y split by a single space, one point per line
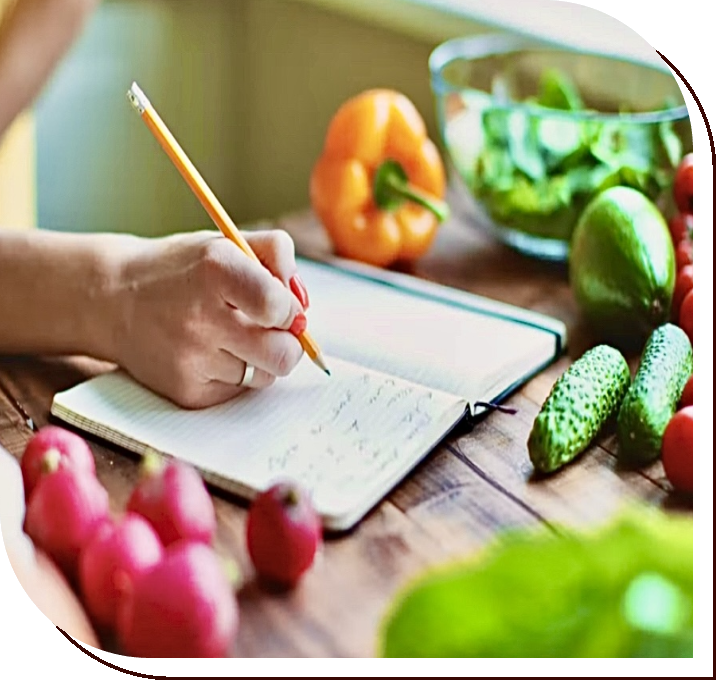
283 533
175 501
71 448
111 562
66 508
185 606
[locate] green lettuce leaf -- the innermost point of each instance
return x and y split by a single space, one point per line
625 590
557 91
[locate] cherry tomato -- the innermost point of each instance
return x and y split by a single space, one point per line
681 227
687 396
684 283
684 185
686 315
684 253
677 450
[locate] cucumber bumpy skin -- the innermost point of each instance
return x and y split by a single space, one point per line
588 393
665 367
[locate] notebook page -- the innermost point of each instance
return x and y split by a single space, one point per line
474 355
347 438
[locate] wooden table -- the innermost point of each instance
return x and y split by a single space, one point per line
467 490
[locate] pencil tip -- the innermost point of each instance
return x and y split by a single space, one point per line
318 360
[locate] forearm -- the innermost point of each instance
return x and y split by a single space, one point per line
34 35
58 292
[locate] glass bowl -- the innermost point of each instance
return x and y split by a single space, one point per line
534 132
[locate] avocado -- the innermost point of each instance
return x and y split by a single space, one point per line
665 367
622 266
588 393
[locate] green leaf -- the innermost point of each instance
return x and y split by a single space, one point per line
560 141
625 145
494 169
586 179
533 198
524 145
557 91
670 144
495 123
623 591
543 208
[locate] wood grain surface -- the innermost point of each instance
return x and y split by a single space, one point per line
471 488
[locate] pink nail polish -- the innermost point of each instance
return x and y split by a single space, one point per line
298 288
299 324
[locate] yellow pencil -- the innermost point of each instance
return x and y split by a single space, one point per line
205 195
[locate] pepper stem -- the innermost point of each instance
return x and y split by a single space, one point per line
391 188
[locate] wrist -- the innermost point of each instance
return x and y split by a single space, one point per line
109 289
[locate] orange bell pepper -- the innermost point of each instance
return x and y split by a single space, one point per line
378 185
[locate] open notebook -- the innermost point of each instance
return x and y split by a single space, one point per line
408 358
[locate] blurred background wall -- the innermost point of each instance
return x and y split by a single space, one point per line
246 86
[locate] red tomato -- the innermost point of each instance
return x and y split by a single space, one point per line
686 315
684 185
687 396
678 228
684 253
677 450
684 283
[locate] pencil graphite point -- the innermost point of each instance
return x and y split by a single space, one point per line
319 361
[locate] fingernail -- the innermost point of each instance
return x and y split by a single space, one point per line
299 324
298 288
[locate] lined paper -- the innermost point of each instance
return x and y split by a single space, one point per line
346 438
404 370
457 350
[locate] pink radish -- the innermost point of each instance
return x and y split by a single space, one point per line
111 562
185 606
66 508
175 501
283 533
71 449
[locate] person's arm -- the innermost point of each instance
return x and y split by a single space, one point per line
56 292
34 35
183 314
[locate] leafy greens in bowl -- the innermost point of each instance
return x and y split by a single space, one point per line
536 133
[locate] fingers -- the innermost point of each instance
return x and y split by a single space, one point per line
260 289
273 351
222 378
228 369
276 251
250 287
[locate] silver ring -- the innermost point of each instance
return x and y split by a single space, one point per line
248 376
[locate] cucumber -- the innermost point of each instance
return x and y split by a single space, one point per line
665 367
588 393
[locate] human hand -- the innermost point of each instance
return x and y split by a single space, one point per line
194 310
